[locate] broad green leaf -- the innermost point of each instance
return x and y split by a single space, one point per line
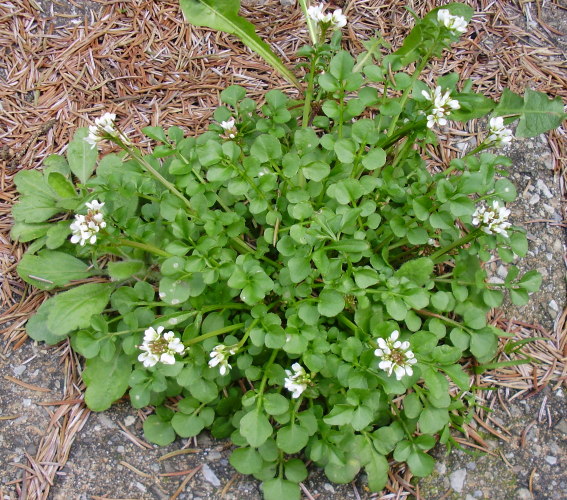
155 133
416 270
537 112
223 15
339 415
158 431
187 425
73 309
292 438
36 208
106 381
36 327
23 232
433 420
484 344
61 185
377 471
330 303
280 489
124 269
246 460
420 463
275 404
256 428
82 158
295 470
49 269
343 473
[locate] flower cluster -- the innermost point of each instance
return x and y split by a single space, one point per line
499 135
492 220
442 106
219 356
229 127
297 380
158 348
337 19
103 127
456 24
396 356
86 227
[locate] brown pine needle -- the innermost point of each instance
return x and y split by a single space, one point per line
31 387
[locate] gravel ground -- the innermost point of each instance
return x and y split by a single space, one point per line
104 461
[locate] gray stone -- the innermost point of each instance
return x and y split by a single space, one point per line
544 189
562 426
210 476
523 494
213 455
551 460
457 479
18 370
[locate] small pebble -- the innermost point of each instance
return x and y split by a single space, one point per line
544 189
534 199
457 479
129 420
523 494
551 460
18 370
210 476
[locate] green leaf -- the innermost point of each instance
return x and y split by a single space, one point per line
265 148
484 344
420 463
292 438
106 381
187 425
539 114
246 460
125 269
275 404
36 327
155 133
280 489
345 150
377 471
330 303
433 420
412 405
299 268
295 470
531 281
49 269
341 65
82 158
339 415
158 431
374 159
73 309
61 185
36 208
255 428
343 473
361 418
459 376
223 15
416 270
396 308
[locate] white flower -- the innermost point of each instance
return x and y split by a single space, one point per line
492 220
219 356
103 127
456 24
297 380
229 127
442 106
336 20
499 135
159 348
339 19
396 356
85 227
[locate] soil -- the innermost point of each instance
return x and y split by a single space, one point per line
104 461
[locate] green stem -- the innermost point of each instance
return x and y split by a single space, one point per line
143 246
309 93
146 165
214 333
407 91
461 241
265 377
445 319
311 25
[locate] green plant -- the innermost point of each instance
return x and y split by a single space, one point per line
295 278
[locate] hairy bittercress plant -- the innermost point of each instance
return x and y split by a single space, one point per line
294 279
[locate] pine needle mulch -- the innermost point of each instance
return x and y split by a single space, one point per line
141 61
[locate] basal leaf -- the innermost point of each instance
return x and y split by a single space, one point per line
82 158
106 381
49 269
223 15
